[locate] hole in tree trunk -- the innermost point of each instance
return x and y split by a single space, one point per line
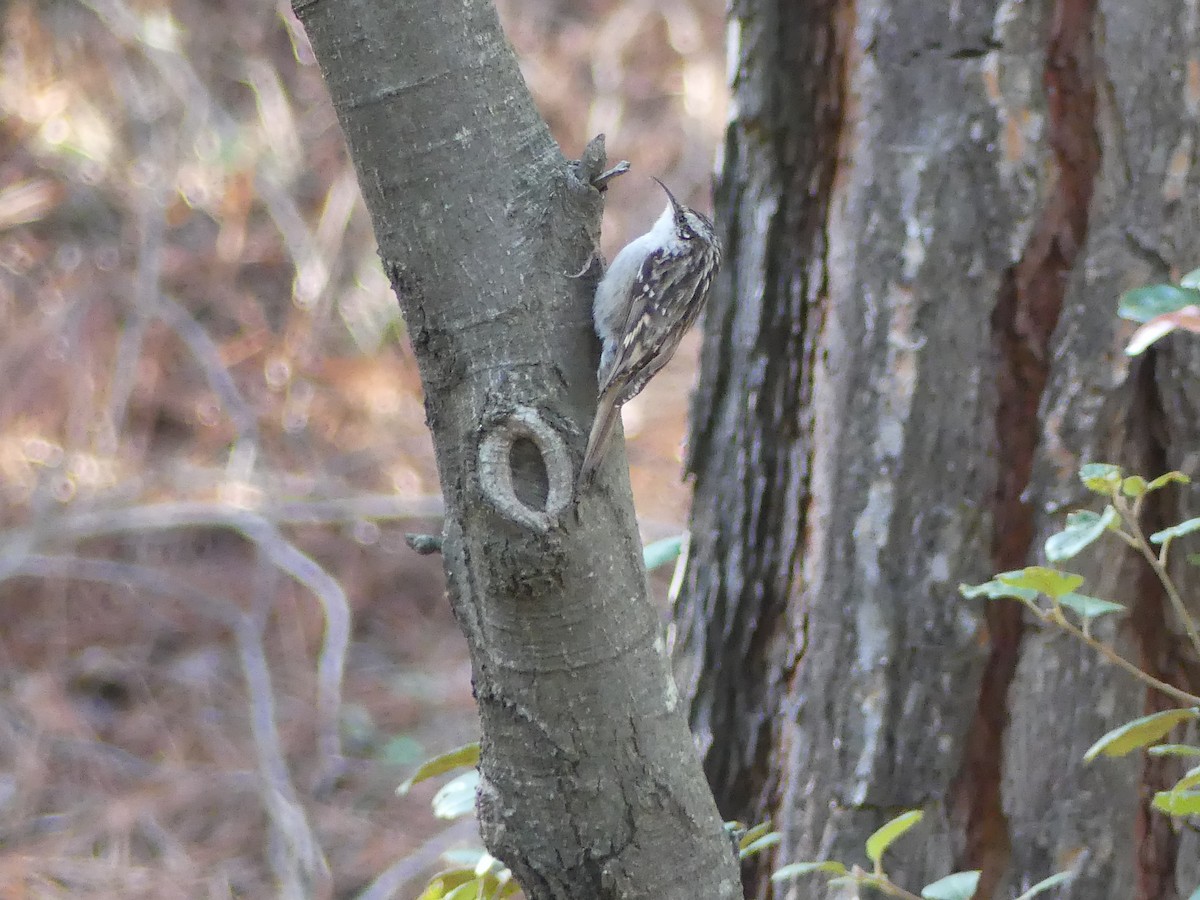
531 482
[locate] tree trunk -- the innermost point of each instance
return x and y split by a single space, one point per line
929 211
590 785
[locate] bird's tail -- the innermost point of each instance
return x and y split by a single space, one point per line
608 413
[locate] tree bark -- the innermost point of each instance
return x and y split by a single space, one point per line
590 784
929 215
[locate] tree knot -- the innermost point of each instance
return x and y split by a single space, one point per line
525 471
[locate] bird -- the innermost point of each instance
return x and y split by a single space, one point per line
645 302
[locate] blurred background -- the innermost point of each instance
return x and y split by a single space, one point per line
212 440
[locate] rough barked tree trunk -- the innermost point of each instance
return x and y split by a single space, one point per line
930 210
591 787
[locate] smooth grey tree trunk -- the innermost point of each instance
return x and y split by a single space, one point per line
930 210
591 787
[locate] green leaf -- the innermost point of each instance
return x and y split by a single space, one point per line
662 552
1133 486
1089 607
831 867
1101 478
1176 531
758 846
1191 280
1050 582
995 590
752 834
1188 782
444 882
456 797
1194 559
1046 883
466 755
1174 750
477 889
1163 480
959 886
1083 527
1144 303
886 836
1139 733
1147 335
1184 803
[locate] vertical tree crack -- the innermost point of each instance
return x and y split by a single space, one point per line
1027 310
1158 651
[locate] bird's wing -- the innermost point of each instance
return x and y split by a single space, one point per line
663 303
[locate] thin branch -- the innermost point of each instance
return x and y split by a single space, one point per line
331 661
208 355
1055 615
302 870
301 867
282 553
91 523
1158 564
262 531
151 222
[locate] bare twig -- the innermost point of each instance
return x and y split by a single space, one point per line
282 553
205 351
1055 614
152 212
298 861
331 662
90 523
1158 563
302 870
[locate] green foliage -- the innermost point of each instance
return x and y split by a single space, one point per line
1174 750
660 553
793 870
476 875
470 884
753 841
1161 309
1146 303
996 590
747 850
1089 607
1101 478
460 757
1189 782
1051 582
1139 733
1167 534
959 886
456 798
1120 517
1183 799
889 833
1045 884
1083 528
1170 477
